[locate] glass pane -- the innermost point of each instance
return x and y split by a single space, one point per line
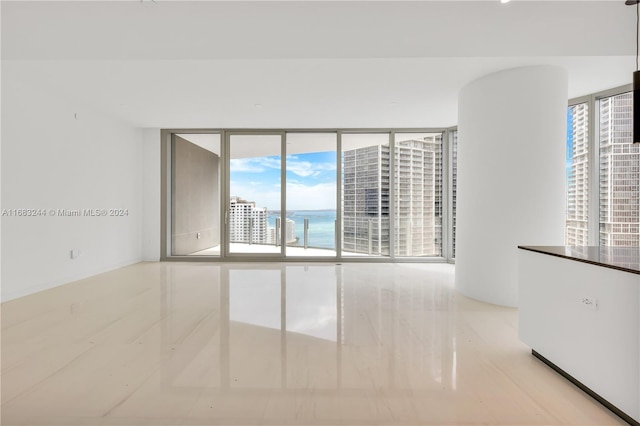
195 198
311 194
254 183
365 194
577 171
619 174
418 194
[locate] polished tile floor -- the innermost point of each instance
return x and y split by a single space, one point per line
275 344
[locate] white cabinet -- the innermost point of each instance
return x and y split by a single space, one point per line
585 319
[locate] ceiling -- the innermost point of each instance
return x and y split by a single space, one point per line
303 64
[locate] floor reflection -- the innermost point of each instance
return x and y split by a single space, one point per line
312 301
280 344
299 327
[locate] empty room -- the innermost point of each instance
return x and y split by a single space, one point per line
320 212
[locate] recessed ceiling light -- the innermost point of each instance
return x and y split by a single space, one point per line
504 1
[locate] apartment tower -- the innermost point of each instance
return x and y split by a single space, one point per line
417 203
578 176
247 223
619 174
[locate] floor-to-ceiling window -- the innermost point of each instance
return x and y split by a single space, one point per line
418 201
254 216
603 171
619 173
366 165
311 193
308 193
577 175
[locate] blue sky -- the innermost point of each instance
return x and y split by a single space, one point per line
311 181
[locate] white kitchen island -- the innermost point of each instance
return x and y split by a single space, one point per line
579 311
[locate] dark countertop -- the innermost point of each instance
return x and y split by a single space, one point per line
625 259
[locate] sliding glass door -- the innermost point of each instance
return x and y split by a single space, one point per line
254 218
306 193
311 194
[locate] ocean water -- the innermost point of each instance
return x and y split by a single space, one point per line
321 226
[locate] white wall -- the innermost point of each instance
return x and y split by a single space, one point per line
53 159
511 176
151 194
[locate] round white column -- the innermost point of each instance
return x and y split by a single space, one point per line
511 176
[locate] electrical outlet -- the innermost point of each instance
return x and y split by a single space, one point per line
589 302
75 253
198 235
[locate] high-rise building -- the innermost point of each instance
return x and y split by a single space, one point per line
418 196
365 200
619 174
577 225
417 203
247 223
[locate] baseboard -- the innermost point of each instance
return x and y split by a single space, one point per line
587 390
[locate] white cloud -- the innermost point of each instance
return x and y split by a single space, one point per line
268 197
255 165
301 168
311 197
270 162
306 168
246 165
295 166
